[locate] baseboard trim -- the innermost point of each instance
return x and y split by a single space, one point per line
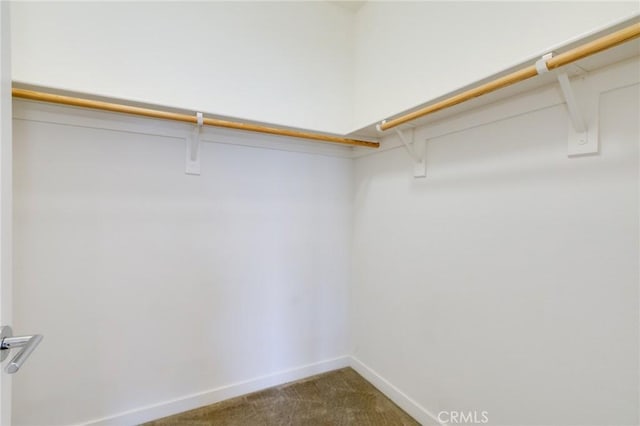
415 410
189 402
196 400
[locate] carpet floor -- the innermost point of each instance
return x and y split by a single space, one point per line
336 398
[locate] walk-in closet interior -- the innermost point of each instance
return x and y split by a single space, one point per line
320 213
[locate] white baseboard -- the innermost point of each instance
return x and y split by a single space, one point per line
189 402
415 410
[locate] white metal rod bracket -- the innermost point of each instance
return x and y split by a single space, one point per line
583 128
419 159
572 105
192 164
583 134
541 64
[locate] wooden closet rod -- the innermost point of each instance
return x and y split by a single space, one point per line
146 112
587 49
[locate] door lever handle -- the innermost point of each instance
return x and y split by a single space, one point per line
7 342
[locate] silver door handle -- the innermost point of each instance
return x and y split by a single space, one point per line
7 342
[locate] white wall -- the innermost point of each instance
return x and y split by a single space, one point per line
507 280
6 199
304 64
149 284
287 63
409 53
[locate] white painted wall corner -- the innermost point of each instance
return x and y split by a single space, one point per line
402 400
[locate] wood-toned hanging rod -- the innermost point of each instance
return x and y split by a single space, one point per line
166 115
614 39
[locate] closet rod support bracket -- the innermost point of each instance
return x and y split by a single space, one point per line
417 152
582 134
192 161
583 128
